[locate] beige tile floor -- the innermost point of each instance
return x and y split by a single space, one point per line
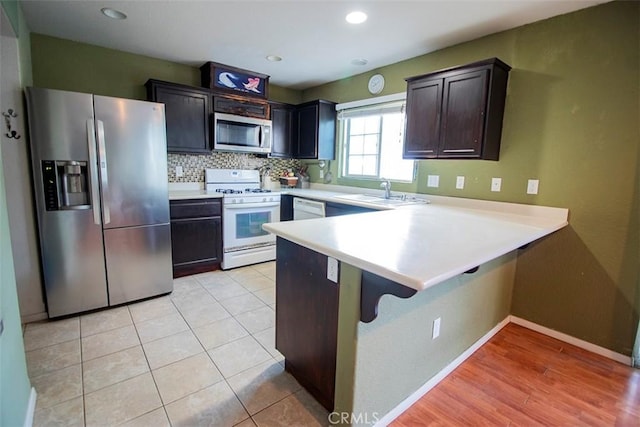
201 356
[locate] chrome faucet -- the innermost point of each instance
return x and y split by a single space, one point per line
386 184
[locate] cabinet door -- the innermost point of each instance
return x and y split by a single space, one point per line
187 117
286 207
282 131
196 240
307 132
241 106
424 105
463 114
307 319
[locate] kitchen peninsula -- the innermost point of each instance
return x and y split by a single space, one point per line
364 343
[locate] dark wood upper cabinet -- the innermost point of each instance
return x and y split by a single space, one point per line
187 112
422 134
316 130
282 131
457 112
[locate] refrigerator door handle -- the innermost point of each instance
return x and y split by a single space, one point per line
103 172
93 170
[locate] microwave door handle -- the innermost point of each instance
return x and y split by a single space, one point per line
260 136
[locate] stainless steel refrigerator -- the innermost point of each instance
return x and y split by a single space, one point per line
101 190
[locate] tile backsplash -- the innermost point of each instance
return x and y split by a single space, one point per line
193 165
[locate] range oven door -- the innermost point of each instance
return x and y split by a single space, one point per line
242 225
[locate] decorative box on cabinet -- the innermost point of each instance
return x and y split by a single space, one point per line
457 112
196 235
187 115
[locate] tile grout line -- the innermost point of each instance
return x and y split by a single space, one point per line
84 401
146 359
190 328
211 358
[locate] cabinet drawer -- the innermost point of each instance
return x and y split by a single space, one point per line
241 107
195 208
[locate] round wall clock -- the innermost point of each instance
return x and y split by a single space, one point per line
376 84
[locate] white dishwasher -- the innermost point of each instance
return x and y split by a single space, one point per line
307 209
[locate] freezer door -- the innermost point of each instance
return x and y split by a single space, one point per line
61 129
138 262
132 148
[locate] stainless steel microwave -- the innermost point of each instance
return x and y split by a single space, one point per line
241 134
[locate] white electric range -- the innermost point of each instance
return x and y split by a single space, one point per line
245 207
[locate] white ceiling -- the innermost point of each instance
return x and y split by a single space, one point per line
312 37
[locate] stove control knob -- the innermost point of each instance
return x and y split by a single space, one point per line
264 199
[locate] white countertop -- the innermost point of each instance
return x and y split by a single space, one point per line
422 245
190 190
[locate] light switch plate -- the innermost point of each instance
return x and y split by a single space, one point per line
179 171
496 184
532 186
436 329
332 269
433 181
459 182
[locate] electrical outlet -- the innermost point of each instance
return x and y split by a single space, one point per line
179 171
436 329
433 181
459 182
532 186
332 269
496 184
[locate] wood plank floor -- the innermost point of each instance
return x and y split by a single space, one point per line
521 377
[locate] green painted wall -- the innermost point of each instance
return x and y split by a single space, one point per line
571 121
15 387
68 65
397 346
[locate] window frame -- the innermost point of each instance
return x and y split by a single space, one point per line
343 127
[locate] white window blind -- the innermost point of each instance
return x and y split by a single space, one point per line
372 138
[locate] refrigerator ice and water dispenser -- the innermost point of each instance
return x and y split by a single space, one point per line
65 185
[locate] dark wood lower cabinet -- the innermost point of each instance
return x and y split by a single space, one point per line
307 319
337 209
196 236
286 207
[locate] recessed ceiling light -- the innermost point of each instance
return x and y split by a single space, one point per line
274 58
356 17
112 13
359 61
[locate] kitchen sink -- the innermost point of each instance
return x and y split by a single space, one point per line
376 200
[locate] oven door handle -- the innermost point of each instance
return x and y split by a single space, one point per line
252 205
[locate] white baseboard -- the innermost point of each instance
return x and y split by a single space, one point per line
413 398
31 408
621 358
29 318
